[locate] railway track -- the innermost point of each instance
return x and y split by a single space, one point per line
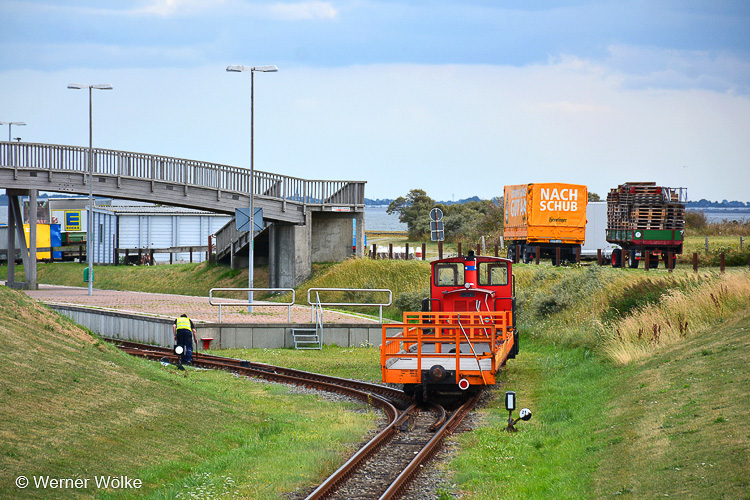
384 466
378 395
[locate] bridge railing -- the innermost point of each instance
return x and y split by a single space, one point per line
53 157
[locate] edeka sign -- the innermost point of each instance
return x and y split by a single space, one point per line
72 220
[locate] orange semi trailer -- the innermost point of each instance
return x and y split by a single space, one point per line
548 216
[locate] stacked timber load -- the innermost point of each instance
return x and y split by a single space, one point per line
644 205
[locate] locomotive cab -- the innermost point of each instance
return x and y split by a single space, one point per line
464 333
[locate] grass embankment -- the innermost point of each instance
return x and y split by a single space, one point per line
73 407
669 418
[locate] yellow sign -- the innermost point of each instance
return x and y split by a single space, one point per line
72 220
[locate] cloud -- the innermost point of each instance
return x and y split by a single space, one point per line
302 11
652 67
169 8
312 10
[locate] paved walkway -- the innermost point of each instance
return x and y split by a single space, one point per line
171 306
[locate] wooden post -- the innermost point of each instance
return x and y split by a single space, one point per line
648 260
578 255
670 257
170 258
599 256
406 255
722 262
459 249
557 257
374 251
706 244
440 250
695 262
517 254
210 248
151 257
424 251
390 251
497 254
537 253
114 249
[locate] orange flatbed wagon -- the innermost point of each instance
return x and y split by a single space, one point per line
464 334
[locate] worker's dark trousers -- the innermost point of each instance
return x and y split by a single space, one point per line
185 339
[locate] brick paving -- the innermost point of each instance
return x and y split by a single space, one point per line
171 306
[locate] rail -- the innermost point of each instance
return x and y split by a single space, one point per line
236 303
318 303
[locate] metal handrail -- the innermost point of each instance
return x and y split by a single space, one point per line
248 303
352 304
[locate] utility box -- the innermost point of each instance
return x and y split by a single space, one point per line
86 275
545 215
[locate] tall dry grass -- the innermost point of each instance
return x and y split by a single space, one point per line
679 313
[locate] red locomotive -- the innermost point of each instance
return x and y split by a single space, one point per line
464 334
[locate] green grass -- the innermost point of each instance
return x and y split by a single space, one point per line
360 363
674 425
72 406
678 421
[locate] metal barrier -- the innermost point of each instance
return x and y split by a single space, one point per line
319 304
248 303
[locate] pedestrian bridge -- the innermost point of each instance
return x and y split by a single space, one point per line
316 207
172 181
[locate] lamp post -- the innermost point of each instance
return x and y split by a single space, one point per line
10 124
90 231
251 239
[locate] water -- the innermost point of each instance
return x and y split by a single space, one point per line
376 219
714 214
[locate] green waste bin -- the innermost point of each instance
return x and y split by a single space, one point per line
86 275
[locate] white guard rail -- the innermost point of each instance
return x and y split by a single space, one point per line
236 303
353 304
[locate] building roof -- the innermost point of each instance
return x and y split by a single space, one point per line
159 210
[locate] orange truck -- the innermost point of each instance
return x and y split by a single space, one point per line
546 216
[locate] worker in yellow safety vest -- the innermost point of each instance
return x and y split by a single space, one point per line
184 334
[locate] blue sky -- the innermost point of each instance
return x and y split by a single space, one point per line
456 98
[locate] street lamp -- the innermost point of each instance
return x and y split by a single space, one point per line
90 231
10 124
251 240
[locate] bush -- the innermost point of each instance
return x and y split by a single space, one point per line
411 301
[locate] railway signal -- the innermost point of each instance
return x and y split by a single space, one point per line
510 405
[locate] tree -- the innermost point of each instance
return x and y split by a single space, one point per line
414 211
594 197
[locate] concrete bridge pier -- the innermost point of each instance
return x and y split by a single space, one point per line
16 234
289 260
325 237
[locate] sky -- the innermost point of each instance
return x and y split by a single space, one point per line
455 98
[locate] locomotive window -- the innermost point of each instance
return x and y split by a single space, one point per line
449 275
492 274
